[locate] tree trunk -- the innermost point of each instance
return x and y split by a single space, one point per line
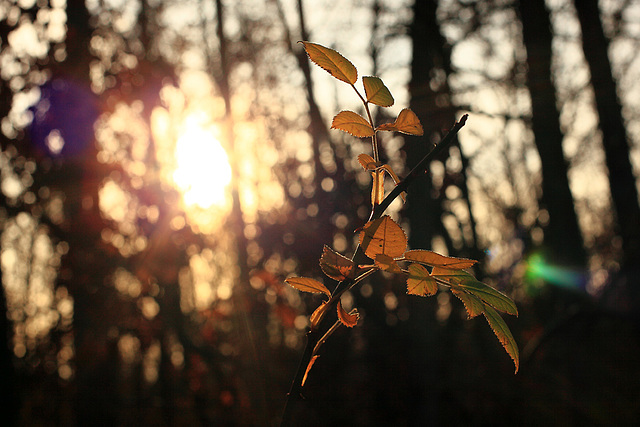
622 181
562 235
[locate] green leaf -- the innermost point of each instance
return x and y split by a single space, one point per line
332 62
419 282
306 284
377 93
383 236
406 122
472 303
434 259
503 333
335 265
352 123
471 285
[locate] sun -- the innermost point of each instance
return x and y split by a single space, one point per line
203 172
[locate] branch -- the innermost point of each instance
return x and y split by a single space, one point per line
315 335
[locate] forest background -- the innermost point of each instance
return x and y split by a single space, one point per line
165 165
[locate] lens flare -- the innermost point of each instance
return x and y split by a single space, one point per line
539 268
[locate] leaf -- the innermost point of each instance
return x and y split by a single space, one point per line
503 333
335 265
471 285
386 263
367 162
317 315
436 260
348 319
332 62
305 284
406 122
472 303
352 123
306 372
377 187
377 93
383 236
419 282
395 179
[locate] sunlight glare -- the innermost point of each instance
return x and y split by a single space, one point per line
203 171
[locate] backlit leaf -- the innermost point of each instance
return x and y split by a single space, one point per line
419 282
335 265
471 285
473 304
503 333
318 313
387 263
377 93
352 123
383 236
395 179
367 162
332 62
436 260
406 122
309 366
377 187
348 319
306 284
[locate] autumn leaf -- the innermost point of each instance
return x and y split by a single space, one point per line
377 187
367 162
387 263
348 319
419 282
377 93
335 265
472 304
471 285
306 284
309 366
406 122
383 236
395 179
317 314
436 260
332 62
352 123
503 333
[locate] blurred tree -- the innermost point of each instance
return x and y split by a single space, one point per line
615 140
562 235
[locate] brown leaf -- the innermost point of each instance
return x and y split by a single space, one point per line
406 122
472 304
315 317
377 93
332 62
367 162
387 263
348 319
335 265
306 284
434 259
309 366
352 123
383 236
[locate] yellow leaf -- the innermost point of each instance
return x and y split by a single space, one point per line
406 122
386 263
315 317
419 282
367 162
377 93
352 123
377 187
336 266
436 260
395 179
383 236
306 372
348 319
503 333
332 62
473 304
305 284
